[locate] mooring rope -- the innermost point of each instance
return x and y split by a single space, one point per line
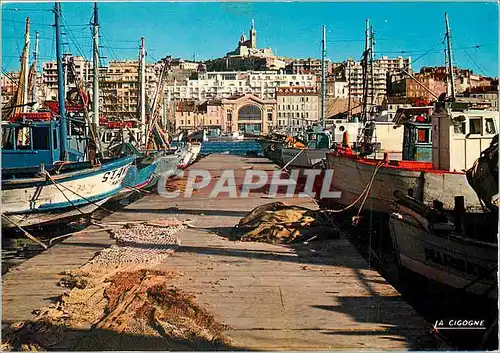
295 157
25 232
83 197
363 196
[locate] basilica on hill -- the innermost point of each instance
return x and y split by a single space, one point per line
248 46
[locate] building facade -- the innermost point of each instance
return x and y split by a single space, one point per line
249 114
297 107
215 85
383 68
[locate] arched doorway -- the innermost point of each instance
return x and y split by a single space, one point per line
250 119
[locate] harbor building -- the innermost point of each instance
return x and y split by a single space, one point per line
249 114
191 115
246 113
297 107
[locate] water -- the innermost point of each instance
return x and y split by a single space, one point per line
236 147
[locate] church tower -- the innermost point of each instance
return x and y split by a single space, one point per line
253 36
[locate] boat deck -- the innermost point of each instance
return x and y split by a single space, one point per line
270 296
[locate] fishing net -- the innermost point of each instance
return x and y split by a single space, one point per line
277 222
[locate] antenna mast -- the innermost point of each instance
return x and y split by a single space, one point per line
25 58
323 78
143 91
450 58
60 85
35 59
95 99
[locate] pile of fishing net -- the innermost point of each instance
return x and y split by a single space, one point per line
277 222
130 310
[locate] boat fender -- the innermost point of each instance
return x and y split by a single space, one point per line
345 139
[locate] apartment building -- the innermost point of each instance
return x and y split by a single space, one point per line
191 114
297 107
9 82
214 85
307 66
382 69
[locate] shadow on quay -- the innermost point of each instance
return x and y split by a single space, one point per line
62 338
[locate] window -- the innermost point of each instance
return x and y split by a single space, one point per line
269 116
490 126
459 128
182 122
475 126
189 122
41 138
249 112
422 135
54 138
22 138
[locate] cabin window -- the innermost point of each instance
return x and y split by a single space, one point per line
41 138
54 138
7 139
423 135
490 126
459 128
475 126
22 138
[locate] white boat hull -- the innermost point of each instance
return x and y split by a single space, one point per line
303 158
23 197
351 177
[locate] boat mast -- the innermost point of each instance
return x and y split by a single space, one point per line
35 59
450 58
349 110
365 71
372 77
95 95
323 78
60 86
143 91
25 63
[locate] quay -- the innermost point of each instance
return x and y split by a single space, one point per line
271 297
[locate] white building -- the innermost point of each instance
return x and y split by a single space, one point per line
383 66
298 107
211 85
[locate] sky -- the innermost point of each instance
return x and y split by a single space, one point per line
205 30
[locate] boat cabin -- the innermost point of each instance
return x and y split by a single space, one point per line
417 134
459 136
32 139
319 139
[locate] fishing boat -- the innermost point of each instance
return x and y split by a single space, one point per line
39 186
43 179
192 153
453 247
141 171
311 155
271 146
423 171
439 143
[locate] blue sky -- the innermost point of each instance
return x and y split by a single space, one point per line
292 29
